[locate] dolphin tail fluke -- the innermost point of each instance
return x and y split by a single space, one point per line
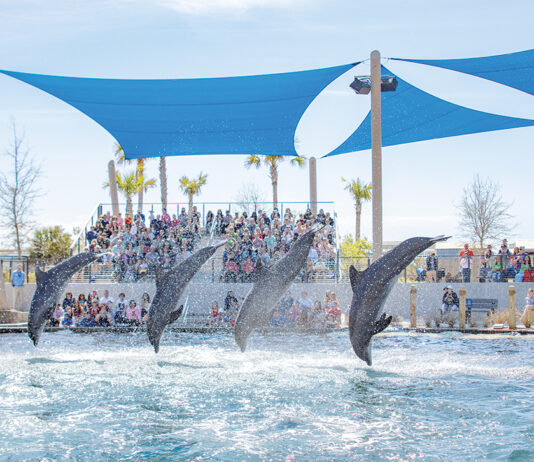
383 322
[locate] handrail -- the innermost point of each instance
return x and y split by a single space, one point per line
83 231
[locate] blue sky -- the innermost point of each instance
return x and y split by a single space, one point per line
196 38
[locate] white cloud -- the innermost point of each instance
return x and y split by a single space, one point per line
214 6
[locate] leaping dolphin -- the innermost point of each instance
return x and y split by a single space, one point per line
50 286
170 285
371 288
270 285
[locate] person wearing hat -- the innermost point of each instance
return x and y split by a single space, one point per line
450 300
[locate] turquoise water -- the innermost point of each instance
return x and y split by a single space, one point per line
289 397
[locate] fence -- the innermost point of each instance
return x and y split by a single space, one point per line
334 272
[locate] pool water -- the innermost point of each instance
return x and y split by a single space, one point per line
289 397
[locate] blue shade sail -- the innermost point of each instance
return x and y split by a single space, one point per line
410 114
515 70
229 115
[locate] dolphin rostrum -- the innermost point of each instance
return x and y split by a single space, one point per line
270 286
371 288
170 285
50 286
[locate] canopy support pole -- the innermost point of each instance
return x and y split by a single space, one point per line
376 142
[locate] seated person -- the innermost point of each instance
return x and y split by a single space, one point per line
104 318
277 320
214 313
67 320
527 318
119 315
57 315
87 321
133 314
450 300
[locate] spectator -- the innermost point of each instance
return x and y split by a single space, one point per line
318 316
432 267
145 306
333 311
277 319
119 315
230 302
133 314
527 317
466 260
17 282
87 321
67 320
57 315
67 301
103 318
450 301
214 313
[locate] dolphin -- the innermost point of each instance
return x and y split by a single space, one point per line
371 288
270 286
50 286
170 285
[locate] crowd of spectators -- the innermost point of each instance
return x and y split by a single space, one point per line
136 246
266 238
93 310
290 312
105 311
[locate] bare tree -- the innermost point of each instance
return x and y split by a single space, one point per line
249 197
18 191
483 213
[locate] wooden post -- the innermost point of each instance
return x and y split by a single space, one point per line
461 308
413 314
376 144
511 307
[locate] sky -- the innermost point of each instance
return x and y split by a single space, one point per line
422 182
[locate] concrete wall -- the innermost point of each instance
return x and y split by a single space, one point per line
398 302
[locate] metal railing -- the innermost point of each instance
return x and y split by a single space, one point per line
335 272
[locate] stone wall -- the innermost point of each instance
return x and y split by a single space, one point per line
398 303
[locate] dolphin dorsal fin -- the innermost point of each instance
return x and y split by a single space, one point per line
39 274
355 276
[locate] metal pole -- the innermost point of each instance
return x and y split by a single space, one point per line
313 185
376 134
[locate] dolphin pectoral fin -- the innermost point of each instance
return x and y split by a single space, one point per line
176 314
382 323
355 276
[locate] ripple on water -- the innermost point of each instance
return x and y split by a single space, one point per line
290 397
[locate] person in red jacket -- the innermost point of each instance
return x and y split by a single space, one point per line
466 261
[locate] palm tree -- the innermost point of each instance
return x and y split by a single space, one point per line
360 192
140 171
163 181
271 162
128 185
192 188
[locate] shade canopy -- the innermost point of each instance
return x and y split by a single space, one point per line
229 115
515 70
410 114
